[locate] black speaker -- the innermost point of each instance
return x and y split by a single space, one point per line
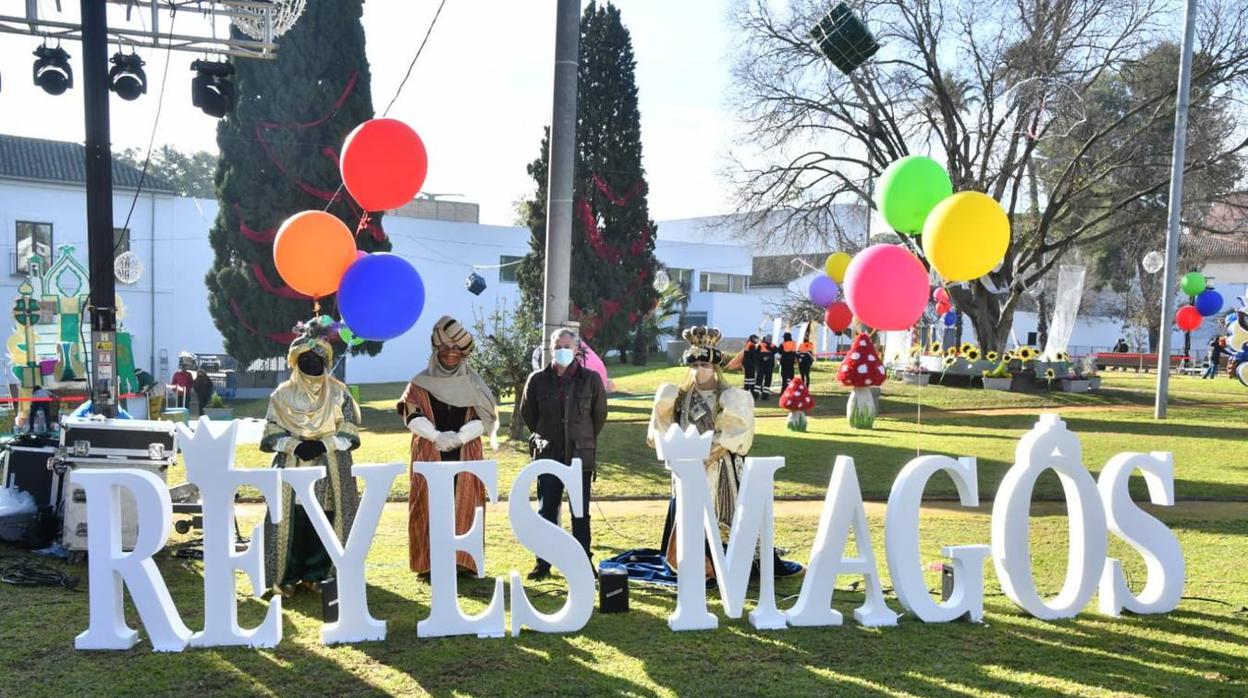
946 582
612 590
329 600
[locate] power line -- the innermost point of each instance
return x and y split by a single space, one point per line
412 65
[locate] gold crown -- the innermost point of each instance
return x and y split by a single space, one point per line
699 336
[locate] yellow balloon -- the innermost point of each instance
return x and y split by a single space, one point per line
835 266
965 236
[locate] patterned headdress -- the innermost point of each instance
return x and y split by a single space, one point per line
703 343
448 332
312 336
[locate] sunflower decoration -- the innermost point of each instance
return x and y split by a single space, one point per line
1026 353
915 350
1063 356
966 347
934 347
1049 375
971 354
951 351
991 356
1008 356
950 360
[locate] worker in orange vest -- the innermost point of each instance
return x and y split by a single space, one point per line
788 360
749 363
765 367
805 358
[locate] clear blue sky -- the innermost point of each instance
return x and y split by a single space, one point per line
479 96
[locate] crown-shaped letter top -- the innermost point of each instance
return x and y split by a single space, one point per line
206 453
674 444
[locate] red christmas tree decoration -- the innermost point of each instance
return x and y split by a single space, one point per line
797 399
861 370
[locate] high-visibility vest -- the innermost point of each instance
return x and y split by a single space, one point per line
789 346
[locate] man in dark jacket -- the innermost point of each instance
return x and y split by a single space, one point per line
565 407
749 363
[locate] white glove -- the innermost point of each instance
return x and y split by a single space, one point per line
471 431
286 445
342 443
423 428
447 441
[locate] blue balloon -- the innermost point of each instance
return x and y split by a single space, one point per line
381 296
823 291
950 318
1209 303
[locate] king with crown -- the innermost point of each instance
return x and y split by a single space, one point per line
311 421
707 402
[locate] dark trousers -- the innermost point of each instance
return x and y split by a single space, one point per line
748 368
786 374
549 501
762 379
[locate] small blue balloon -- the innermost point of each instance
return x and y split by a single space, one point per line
823 291
1231 319
381 296
950 318
1208 303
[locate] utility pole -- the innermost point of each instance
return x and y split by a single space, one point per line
562 165
99 170
1176 209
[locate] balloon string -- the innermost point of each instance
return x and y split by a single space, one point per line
364 221
918 420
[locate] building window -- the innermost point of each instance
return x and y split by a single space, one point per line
121 241
33 239
714 282
507 268
693 319
682 278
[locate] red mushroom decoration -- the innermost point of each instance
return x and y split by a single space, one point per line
861 370
798 401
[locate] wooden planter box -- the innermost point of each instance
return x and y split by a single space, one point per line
997 383
219 414
1076 385
916 378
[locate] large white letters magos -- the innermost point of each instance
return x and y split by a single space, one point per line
1048 445
553 544
445 616
110 569
1151 538
355 623
901 543
210 467
842 511
684 454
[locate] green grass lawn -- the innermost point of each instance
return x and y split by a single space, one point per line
1200 649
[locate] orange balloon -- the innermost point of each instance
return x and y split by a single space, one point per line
312 251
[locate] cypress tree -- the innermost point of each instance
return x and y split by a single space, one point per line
613 261
279 156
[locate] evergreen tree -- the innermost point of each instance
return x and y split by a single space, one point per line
613 262
279 156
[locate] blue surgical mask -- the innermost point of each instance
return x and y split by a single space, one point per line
563 357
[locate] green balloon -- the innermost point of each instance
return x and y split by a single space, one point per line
348 337
1193 283
909 189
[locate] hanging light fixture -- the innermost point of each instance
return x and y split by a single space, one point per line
212 90
126 77
51 70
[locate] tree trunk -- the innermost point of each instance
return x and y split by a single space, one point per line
1042 320
515 431
991 316
641 346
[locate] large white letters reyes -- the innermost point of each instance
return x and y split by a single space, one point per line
1158 545
1048 445
355 623
445 616
553 544
842 511
110 569
901 543
210 467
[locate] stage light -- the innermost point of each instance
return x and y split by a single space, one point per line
126 77
212 90
52 71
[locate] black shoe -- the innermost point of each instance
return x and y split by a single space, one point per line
538 573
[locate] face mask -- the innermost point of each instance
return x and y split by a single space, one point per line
563 357
703 374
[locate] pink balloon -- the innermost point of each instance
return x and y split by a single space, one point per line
594 363
886 287
941 296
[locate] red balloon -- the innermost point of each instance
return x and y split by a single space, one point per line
1188 318
838 316
940 295
383 164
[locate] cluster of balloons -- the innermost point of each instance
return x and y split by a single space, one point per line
823 291
1206 301
964 235
380 295
886 287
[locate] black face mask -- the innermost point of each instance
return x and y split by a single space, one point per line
311 364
